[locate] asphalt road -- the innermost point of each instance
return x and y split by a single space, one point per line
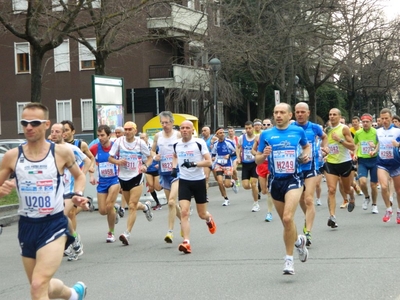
242 260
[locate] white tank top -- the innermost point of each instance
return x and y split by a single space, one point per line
39 185
166 151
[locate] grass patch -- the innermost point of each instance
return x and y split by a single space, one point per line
12 198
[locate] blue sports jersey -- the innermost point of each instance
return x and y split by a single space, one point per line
221 149
282 162
312 131
247 146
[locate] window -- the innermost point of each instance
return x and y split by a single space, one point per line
190 4
22 58
195 108
202 5
220 110
86 58
20 108
56 5
94 3
207 119
61 58
63 110
19 6
87 114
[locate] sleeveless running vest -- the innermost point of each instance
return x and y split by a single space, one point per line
166 151
337 152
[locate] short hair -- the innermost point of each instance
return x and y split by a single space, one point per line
219 128
167 114
70 124
37 105
62 126
396 117
228 127
257 120
386 111
355 118
249 123
106 129
119 128
289 108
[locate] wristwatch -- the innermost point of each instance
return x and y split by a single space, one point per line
341 141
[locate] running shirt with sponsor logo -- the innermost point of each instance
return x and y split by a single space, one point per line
221 149
366 141
247 145
40 186
166 151
386 149
190 151
337 152
107 171
69 180
133 152
282 162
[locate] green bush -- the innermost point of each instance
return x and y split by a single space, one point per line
12 198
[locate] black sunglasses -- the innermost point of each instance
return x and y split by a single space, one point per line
267 124
34 123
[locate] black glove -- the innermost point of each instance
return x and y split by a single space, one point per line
189 164
174 172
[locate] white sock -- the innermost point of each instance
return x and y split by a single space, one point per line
74 294
288 257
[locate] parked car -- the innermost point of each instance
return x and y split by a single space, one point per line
8 144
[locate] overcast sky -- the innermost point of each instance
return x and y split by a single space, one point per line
392 8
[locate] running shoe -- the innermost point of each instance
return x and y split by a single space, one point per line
344 204
365 203
121 211
124 238
185 248
90 203
77 245
268 217
68 251
73 256
318 202
235 188
308 237
374 209
256 207
302 249
398 217
211 225
288 268
226 202
169 237
350 206
332 222
387 216
110 238
81 289
157 207
148 213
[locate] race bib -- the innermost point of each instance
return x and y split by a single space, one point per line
132 162
333 148
386 151
365 147
106 169
284 161
222 161
37 196
166 163
247 156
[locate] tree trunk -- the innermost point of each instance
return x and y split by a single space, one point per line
36 75
312 102
261 90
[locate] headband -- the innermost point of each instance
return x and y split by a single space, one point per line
366 117
257 123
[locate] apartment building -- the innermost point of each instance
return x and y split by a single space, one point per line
177 63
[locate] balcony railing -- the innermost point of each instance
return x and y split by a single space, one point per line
179 20
179 76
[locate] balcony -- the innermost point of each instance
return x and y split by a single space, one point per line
179 77
179 20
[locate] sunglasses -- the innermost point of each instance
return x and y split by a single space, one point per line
34 123
128 129
267 124
374 125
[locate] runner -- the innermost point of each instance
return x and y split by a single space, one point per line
131 153
281 146
338 163
366 155
192 156
43 228
309 170
108 184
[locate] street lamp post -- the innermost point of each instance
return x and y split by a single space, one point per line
215 64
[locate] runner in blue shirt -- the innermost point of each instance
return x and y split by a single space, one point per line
281 145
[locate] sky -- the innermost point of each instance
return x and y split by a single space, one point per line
392 8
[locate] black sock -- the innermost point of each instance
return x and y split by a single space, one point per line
154 195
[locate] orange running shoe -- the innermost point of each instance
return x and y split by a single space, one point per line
211 225
185 248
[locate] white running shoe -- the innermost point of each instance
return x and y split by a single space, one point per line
235 188
110 238
365 203
288 268
302 249
124 238
148 212
256 207
374 209
318 202
226 202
